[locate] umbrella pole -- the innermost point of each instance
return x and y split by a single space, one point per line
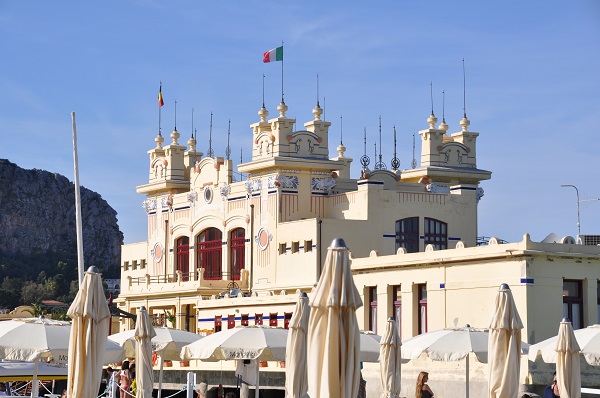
257 392
467 377
160 376
35 387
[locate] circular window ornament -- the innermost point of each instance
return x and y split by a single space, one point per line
263 237
157 252
208 194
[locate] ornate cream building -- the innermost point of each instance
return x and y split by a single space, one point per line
222 252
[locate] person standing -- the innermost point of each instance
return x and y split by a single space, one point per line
551 391
110 382
124 379
423 390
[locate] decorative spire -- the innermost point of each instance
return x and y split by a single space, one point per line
443 125
364 159
432 120
192 143
210 152
341 148
379 165
395 163
159 140
464 121
228 149
414 160
175 134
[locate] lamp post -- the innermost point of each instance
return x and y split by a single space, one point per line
578 219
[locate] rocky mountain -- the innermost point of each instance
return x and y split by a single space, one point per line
37 226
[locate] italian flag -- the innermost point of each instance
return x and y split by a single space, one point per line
275 54
160 97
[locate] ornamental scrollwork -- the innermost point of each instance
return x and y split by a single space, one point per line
149 205
323 184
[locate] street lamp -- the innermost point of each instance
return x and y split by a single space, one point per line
578 220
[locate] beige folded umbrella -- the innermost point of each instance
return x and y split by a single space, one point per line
89 333
563 350
504 347
144 332
389 360
333 334
296 370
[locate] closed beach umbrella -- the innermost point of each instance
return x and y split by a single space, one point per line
167 344
568 371
89 333
333 334
144 332
563 350
504 346
296 370
390 361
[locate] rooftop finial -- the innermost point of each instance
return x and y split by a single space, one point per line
193 123
464 90
431 96
317 89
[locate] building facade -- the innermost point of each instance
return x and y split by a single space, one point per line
222 253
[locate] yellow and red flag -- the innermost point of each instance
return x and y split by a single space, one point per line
160 98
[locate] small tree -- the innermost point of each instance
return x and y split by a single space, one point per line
172 318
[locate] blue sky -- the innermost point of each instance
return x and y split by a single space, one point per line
532 89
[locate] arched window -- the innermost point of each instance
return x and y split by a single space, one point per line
237 243
436 233
209 249
183 257
407 234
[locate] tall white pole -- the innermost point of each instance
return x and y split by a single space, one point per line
78 223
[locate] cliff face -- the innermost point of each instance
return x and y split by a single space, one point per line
37 223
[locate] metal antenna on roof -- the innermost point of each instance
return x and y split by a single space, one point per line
341 130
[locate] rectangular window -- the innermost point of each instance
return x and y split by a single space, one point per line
258 319
282 248
126 265
134 264
273 319
436 233
218 323
230 321
373 309
307 246
573 302
598 298
397 305
245 318
287 316
422 313
143 264
295 247
407 234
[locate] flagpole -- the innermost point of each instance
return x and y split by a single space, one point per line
78 223
159 107
282 71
